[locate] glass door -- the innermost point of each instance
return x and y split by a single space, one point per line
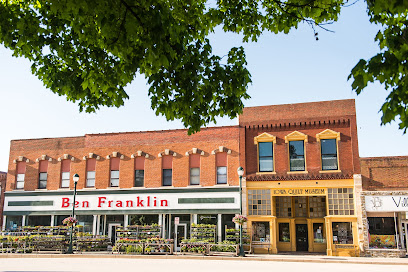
112 231
180 233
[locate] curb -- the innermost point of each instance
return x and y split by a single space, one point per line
267 258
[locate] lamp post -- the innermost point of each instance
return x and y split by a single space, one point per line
75 178
240 171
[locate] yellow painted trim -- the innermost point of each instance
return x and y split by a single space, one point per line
333 183
330 171
296 136
298 172
265 137
266 173
328 134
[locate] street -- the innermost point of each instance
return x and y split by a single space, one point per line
169 265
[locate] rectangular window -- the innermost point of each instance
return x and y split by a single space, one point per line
139 171
194 169
318 233
167 177
167 166
259 202
221 162
284 232
43 168
341 201
195 176
342 233
139 178
90 172
114 174
65 180
265 157
21 168
90 179
260 232
382 232
283 206
317 206
297 155
329 154
65 175
43 180
222 175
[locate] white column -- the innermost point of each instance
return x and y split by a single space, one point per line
170 218
52 220
4 222
98 224
164 226
160 219
219 227
94 225
23 222
104 225
195 218
126 223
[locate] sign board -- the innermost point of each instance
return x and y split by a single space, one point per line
176 220
390 203
299 192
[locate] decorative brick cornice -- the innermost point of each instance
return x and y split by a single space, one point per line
274 177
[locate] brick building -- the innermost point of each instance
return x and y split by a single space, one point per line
385 205
3 177
302 176
126 178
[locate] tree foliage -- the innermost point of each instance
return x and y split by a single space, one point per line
88 51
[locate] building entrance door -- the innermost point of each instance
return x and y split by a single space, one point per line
301 237
112 231
180 234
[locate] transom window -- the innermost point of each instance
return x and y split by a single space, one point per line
259 202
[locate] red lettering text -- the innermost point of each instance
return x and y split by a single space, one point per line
85 204
164 203
139 202
101 200
65 202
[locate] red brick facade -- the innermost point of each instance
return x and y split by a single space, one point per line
3 177
126 144
384 173
309 119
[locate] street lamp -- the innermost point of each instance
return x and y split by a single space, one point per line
75 178
240 171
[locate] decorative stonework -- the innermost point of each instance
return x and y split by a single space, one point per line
115 154
221 149
296 136
21 159
140 153
265 137
43 158
195 151
328 134
91 156
66 157
167 152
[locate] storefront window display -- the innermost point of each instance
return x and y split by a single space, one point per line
13 222
342 233
86 221
260 231
318 233
143 219
382 232
207 219
38 220
284 232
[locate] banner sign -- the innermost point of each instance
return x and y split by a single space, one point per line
395 203
299 192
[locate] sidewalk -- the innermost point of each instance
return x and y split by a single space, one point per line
249 257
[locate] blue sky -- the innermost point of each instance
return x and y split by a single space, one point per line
285 69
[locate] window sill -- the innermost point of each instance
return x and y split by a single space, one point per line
141 187
222 185
330 171
297 172
41 190
194 186
266 173
87 189
63 189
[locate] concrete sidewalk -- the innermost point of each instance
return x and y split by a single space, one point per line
249 257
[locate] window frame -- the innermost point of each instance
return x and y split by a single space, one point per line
327 135
296 136
39 180
87 179
265 138
226 175
171 177
111 178
192 176
20 181
62 179
136 176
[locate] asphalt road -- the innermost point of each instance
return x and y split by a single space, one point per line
180 265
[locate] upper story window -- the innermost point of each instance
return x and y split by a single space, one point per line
296 145
265 143
114 172
65 173
21 168
43 175
194 169
139 171
167 167
221 161
329 149
90 172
